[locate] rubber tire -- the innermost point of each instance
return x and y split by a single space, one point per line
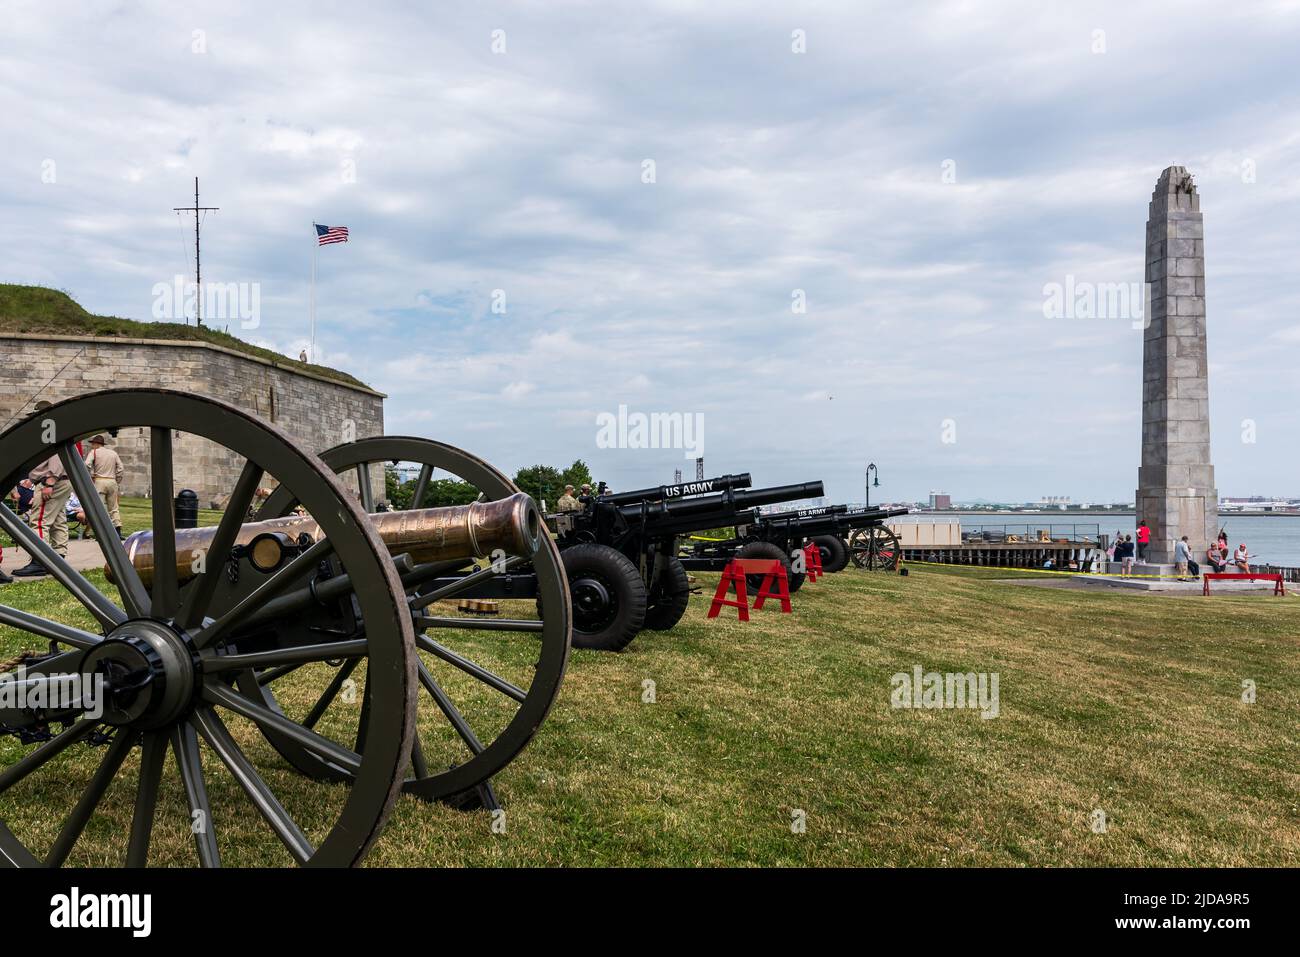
835 555
767 550
623 579
664 612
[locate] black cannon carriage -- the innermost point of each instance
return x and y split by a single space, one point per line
840 535
621 555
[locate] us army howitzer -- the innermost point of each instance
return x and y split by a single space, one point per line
620 553
831 531
310 631
781 535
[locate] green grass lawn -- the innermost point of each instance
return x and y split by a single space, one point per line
137 515
1125 703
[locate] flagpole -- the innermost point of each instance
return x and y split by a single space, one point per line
311 356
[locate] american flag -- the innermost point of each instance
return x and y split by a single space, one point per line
330 234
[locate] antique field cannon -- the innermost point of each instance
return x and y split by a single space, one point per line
618 550
306 638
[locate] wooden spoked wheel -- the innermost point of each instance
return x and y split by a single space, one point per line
158 655
487 682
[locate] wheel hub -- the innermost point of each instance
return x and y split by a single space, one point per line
591 599
143 674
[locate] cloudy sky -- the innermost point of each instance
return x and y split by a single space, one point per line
915 173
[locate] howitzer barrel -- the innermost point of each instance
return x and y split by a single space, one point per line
823 510
665 493
819 523
867 517
727 503
451 533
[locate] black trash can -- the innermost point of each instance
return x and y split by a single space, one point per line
187 509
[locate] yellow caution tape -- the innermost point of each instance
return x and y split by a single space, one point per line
1041 571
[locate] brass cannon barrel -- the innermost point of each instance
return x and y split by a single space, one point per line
450 533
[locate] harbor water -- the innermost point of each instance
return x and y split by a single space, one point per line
1270 538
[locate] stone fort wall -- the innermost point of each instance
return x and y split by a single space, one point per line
318 412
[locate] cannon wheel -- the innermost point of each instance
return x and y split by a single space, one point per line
169 683
794 580
609 597
875 548
479 759
668 600
835 554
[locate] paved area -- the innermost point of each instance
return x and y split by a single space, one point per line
82 554
1156 586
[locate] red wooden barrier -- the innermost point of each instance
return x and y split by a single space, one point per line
733 575
1279 588
812 561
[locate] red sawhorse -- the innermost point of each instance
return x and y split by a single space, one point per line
775 585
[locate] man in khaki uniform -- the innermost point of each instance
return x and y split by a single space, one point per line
106 470
49 511
567 502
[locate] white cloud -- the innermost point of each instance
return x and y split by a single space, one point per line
477 172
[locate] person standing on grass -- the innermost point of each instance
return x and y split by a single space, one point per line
107 472
51 520
1144 539
1182 555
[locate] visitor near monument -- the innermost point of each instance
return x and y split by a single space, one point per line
1182 555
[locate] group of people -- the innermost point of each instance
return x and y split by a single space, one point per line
1219 555
44 500
569 502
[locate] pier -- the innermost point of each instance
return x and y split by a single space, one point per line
1065 545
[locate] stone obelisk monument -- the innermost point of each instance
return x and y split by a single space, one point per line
1176 494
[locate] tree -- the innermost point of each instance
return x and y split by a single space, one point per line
542 482
440 492
576 474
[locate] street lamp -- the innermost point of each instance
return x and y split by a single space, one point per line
871 467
